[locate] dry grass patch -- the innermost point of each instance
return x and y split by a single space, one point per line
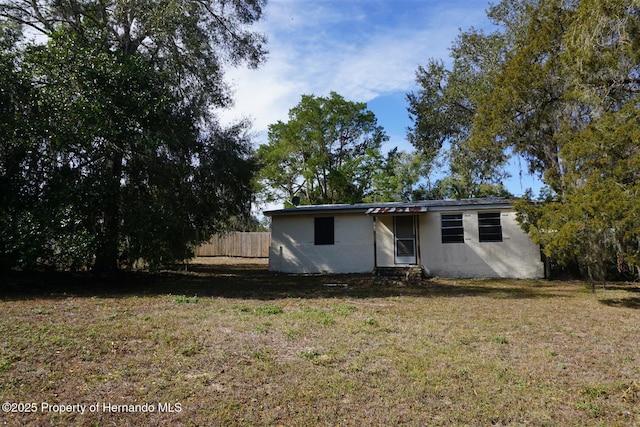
236 345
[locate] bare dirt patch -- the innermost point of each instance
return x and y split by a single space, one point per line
232 344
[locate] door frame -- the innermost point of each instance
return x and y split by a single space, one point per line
411 259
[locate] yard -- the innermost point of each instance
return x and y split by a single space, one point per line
232 344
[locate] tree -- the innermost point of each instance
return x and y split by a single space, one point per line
594 219
561 91
327 152
398 177
443 110
128 158
596 222
15 107
566 98
526 106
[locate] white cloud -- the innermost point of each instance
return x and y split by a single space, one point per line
264 95
386 64
322 46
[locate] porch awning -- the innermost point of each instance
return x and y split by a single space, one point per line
396 210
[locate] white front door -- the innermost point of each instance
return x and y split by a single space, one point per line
404 232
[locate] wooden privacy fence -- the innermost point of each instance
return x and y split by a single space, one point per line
239 244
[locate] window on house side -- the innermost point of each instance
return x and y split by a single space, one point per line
324 231
452 228
489 227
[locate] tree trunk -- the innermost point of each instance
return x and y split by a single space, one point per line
108 248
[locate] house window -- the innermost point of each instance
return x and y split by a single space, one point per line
489 228
452 228
324 231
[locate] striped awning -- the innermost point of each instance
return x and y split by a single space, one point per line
396 210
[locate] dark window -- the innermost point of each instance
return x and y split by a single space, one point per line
489 228
405 247
323 231
404 227
452 228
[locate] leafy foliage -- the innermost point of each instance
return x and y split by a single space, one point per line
398 177
592 216
443 110
110 153
328 152
561 92
524 110
597 222
566 99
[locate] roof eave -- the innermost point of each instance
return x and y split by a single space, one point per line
314 210
395 208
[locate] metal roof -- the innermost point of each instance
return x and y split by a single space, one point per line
397 207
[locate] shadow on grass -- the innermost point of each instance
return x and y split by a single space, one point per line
630 289
622 302
251 281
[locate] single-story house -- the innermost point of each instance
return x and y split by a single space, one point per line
445 238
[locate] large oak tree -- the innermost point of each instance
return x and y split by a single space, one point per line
119 156
328 152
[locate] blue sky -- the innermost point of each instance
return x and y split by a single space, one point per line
365 50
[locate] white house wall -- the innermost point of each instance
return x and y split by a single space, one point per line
516 256
292 248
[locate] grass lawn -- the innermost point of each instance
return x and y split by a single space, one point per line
237 345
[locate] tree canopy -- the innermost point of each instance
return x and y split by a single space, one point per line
328 152
591 215
109 150
443 110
